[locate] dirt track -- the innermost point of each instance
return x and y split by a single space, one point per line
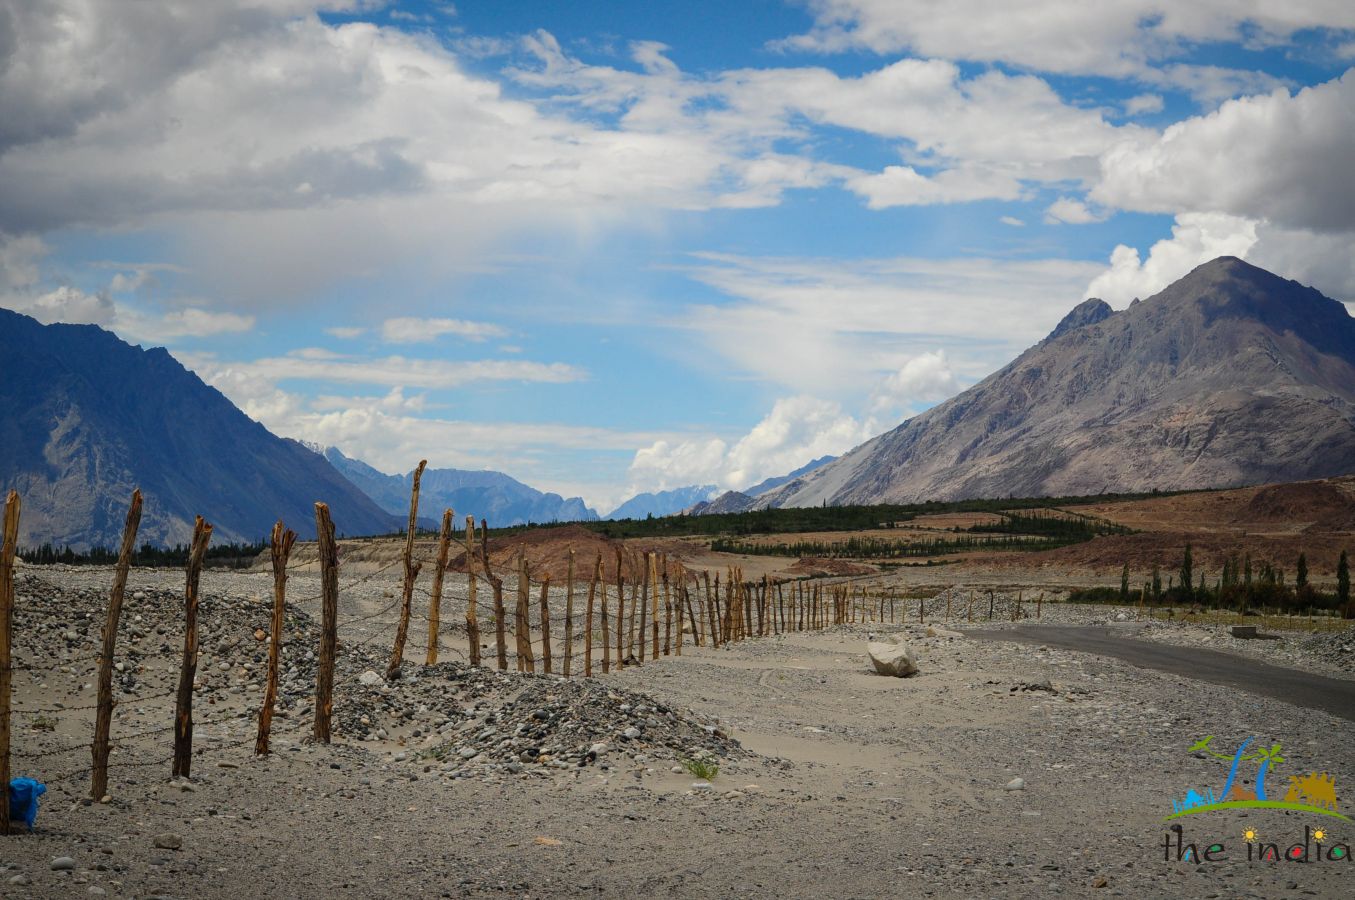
1333 695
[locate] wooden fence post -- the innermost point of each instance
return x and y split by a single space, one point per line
329 621
588 619
668 615
644 605
569 613
435 596
472 614
545 626
620 614
522 625
654 602
411 573
496 583
970 614
8 549
183 706
1040 603
103 718
602 615
280 548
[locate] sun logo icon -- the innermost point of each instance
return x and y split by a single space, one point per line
1319 835
1249 835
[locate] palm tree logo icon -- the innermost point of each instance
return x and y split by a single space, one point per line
1310 793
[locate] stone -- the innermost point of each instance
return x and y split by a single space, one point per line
369 678
892 657
63 864
938 632
702 785
1016 784
168 841
19 879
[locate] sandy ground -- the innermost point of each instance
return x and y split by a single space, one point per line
857 785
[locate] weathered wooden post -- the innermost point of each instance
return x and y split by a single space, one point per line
411 573
654 602
569 614
948 607
435 597
496 583
545 625
1016 611
970 614
620 614
644 606
1040 602
588 619
602 616
522 627
103 717
712 613
329 621
183 706
668 616
280 548
472 614
8 549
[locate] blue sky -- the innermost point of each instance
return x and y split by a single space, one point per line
612 247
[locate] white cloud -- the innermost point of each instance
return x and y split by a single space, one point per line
922 380
71 305
1013 221
1120 39
829 327
1072 212
796 430
1196 238
409 330
345 332
1276 157
1143 103
1325 261
389 371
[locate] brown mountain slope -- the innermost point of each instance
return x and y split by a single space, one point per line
1230 376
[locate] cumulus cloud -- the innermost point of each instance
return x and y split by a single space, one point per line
1279 157
924 379
1325 261
1120 39
410 330
1143 103
1196 238
796 430
1071 211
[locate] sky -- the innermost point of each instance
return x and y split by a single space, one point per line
610 247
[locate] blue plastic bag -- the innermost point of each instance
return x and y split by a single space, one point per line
23 800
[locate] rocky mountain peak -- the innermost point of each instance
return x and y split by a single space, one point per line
1088 312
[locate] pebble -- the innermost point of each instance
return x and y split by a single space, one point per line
1016 784
168 841
20 879
63 864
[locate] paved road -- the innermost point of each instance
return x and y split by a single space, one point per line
1333 695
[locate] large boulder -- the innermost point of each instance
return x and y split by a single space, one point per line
892 656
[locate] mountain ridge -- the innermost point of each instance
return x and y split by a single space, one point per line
1229 376
91 417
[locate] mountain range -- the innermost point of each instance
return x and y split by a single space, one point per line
1230 376
89 417
493 496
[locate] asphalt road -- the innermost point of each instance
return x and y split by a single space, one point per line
1333 695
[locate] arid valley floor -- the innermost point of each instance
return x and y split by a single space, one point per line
832 781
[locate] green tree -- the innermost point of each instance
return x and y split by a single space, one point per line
1157 582
1246 571
1124 584
1187 573
1301 573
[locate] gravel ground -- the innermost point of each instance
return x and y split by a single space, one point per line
1000 771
